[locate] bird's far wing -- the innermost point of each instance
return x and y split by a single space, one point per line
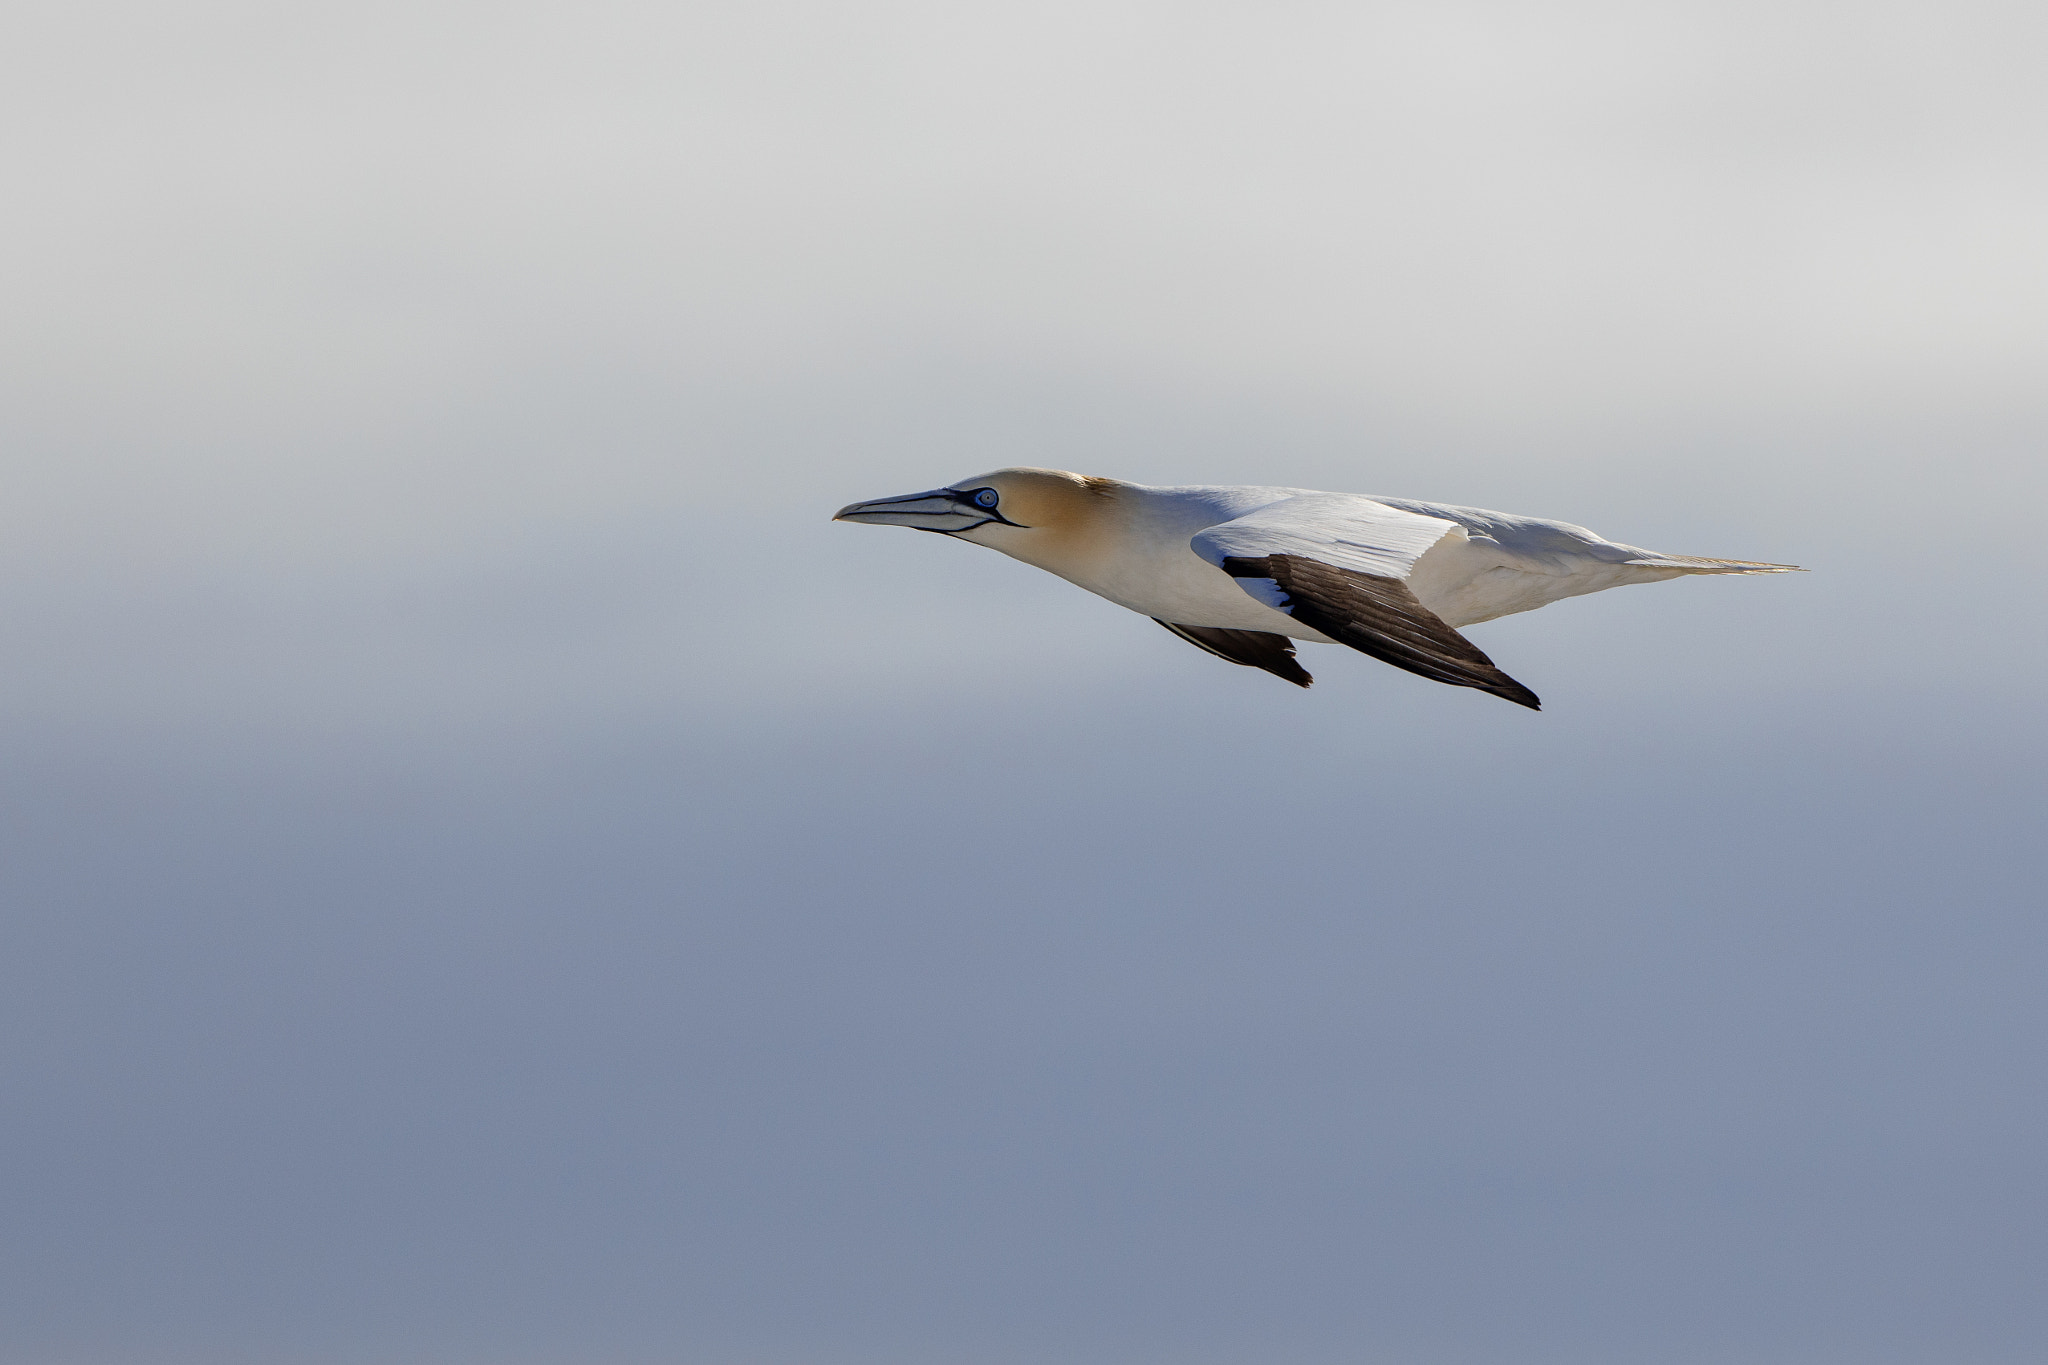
1338 564
1252 648
1539 545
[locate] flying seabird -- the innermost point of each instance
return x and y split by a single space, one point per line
1242 572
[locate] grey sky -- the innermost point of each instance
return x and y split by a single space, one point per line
491 874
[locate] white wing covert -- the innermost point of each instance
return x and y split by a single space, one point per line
1337 528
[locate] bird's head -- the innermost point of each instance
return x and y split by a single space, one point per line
1033 514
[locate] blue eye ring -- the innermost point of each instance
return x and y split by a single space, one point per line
985 498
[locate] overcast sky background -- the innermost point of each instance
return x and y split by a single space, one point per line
491 874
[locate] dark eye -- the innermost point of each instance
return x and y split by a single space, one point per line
985 497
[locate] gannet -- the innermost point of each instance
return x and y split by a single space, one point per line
1242 572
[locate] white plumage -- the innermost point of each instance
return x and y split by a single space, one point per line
1389 576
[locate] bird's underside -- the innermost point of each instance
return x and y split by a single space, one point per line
1371 613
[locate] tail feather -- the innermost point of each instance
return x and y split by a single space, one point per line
1696 564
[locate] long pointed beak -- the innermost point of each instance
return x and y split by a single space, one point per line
939 510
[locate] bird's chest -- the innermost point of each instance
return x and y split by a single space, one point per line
1175 584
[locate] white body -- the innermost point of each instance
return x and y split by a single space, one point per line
1238 571
1465 564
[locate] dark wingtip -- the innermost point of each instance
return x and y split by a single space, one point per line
1288 667
1518 694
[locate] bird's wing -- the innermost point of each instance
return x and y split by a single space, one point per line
1343 529
1338 564
1539 545
1252 648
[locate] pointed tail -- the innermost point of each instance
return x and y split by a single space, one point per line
1695 564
